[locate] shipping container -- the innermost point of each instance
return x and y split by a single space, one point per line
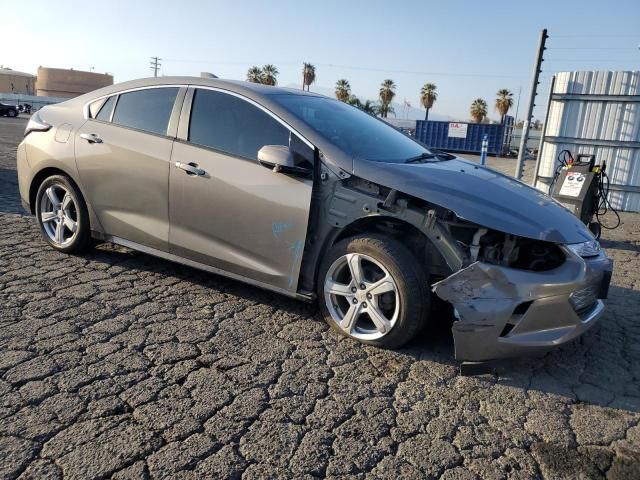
465 137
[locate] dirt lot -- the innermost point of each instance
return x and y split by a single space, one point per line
119 364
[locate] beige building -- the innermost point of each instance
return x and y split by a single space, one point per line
12 81
58 82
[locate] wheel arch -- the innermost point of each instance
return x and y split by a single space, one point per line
41 176
418 242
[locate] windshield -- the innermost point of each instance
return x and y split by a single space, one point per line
357 133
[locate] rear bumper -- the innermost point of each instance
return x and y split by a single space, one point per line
504 312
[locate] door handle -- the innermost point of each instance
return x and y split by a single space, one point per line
191 169
91 137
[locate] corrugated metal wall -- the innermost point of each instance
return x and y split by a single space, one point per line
598 113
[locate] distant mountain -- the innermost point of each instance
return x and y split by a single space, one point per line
402 112
412 113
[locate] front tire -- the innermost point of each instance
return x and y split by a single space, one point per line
12 113
62 215
372 288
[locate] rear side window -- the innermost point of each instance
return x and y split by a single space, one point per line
230 124
147 110
105 112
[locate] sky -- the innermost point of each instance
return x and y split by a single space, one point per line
468 48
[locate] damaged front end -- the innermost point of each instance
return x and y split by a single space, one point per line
522 296
513 293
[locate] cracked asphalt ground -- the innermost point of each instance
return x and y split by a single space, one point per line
117 364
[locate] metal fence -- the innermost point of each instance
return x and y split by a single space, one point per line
36 102
533 141
596 113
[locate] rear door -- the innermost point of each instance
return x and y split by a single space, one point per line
123 156
238 216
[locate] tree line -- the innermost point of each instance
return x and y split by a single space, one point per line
478 110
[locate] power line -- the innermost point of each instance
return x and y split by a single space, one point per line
587 60
410 72
635 35
362 68
182 60
592 48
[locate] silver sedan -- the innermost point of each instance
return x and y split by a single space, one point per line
312 198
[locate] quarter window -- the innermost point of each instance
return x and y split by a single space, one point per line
228 123
147 110
94 107
105 111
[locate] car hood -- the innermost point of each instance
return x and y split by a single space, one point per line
480 195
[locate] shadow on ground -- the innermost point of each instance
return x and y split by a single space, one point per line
9 196
620 245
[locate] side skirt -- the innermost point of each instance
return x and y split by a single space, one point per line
307 297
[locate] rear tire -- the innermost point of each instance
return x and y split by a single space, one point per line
62 215
385 303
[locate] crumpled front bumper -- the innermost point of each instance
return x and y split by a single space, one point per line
504 312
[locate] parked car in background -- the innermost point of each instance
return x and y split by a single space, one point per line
8 110
312 198
24 108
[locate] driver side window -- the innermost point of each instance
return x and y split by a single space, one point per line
232 125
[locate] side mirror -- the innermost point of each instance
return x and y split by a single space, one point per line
277 157
280 159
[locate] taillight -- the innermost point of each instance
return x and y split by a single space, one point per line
36 124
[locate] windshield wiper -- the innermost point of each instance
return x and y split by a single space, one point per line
443 155
428 155
420 158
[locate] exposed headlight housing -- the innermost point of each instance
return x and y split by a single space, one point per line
585 249
36 124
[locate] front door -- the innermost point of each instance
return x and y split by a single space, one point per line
123 160
233 213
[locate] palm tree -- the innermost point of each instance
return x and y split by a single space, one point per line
387 92
504 102
428 95
371 108
269 74
308 75
254 75
354 101
368 106
478 110
384 109
343 90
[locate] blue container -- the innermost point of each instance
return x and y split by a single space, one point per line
437 134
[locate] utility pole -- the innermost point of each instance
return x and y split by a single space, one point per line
518 105
155 65
532 99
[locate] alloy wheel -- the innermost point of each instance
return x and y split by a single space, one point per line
361 296
59 215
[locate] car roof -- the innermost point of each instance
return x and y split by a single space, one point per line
264 95
247 88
